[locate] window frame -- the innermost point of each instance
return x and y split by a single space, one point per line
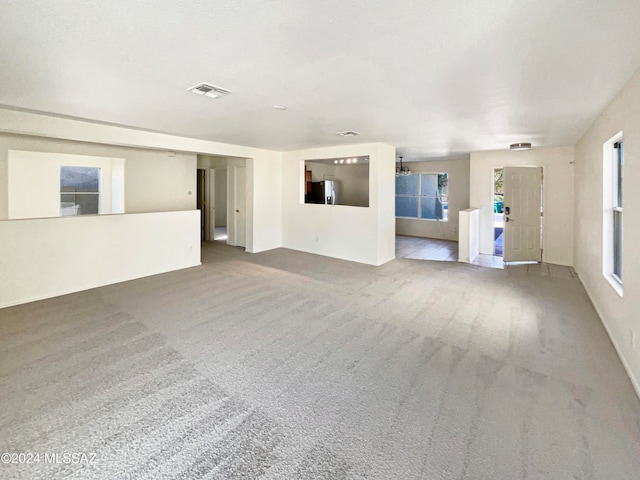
612 212
420 196
618 191
97 193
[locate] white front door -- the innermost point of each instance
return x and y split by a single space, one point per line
240 202
522 202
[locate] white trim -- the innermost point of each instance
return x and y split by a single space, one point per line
47 125
609 205
420 196
615 282
634 381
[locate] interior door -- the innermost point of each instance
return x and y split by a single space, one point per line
240 201
522 207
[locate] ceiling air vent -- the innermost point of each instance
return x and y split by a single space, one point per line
209 90
348 133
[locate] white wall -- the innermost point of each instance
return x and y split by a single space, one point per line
468 245
159 176
264 215
557 198
153 180
458 173
34 182
383 178
160 182
365 235
619 314
265 174
53 256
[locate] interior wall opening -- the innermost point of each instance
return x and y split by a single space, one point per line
222 198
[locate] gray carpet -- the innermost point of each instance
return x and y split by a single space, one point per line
284 365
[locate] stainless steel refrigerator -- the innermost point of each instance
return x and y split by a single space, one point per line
326 192
331 190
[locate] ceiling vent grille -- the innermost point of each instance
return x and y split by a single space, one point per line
348 133
209 90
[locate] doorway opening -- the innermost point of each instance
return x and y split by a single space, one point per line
202 202
498 211
211 200
220 199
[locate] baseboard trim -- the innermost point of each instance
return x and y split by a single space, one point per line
634 381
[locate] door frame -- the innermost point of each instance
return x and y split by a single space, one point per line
209 202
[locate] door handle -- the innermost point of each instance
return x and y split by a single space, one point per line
237 211
507 219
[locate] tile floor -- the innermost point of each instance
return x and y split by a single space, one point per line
490 261
419 248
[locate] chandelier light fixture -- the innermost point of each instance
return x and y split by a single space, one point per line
402 170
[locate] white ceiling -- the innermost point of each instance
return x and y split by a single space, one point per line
436 78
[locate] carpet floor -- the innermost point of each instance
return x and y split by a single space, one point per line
286 365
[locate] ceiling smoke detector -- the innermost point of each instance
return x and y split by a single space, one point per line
348 133
209 90
520 146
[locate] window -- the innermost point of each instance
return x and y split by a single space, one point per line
79 191
422 196
618 154
407 195
612 223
